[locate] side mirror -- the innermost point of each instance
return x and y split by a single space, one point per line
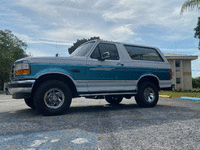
105 55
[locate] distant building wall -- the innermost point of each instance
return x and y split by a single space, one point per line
187 75
181 70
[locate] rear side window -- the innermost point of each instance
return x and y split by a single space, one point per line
143 53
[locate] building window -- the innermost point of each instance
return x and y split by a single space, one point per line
177 63
178 80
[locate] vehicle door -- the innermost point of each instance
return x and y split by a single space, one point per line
104 69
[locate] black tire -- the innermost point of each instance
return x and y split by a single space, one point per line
113 100
29 102
147 95
52 98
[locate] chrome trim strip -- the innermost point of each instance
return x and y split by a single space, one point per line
107 94
102 69
22 81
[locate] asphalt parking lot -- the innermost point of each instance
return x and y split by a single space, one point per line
174 124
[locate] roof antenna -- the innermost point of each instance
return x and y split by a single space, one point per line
57 49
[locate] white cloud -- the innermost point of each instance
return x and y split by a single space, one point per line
81 18
99 3
115 16
176 37
23 37
123 30
37 52
52 42
120 33
62 22
68 34
29 40
117 33
162 13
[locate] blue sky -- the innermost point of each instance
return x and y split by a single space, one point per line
52 26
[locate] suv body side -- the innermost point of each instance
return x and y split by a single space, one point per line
123 71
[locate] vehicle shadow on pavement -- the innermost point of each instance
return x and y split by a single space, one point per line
105 111
101 108
96 118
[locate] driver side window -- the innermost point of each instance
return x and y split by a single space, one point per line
102 48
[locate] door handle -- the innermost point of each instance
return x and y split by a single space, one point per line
120 64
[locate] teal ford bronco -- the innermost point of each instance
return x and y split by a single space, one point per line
96 69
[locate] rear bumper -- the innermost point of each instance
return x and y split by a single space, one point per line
21 89
167 89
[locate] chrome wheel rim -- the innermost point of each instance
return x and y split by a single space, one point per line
149 95
54 98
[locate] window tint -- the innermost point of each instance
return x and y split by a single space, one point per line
83 49
143 53
102 48
95 54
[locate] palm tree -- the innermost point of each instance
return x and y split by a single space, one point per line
190 4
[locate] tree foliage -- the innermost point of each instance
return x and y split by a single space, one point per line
190 4
79 42
196 82
197 31
193 4
11 49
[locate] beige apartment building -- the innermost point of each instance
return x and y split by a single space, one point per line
181 70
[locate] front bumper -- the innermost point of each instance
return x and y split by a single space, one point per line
21 89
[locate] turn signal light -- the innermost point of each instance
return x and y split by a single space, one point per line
21 72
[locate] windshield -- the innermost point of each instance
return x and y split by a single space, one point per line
83 49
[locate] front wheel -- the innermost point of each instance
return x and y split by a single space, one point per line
147 95
113 100
52 98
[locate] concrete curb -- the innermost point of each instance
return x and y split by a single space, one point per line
191 98
165 96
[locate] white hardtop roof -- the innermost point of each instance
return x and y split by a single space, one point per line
114 42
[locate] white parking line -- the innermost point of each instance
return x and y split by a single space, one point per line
80 141
37 143
55 140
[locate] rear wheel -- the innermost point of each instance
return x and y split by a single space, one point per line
113 100
147 95
29 102
52 98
